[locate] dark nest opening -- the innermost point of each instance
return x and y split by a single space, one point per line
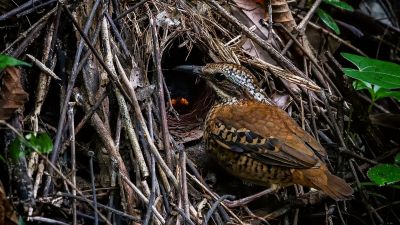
190 97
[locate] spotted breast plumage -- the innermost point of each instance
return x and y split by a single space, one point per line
259 142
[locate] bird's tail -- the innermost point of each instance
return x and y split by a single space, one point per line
335 187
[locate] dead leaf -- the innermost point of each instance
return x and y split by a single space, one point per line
12 95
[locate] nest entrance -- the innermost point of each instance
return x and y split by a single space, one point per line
190 96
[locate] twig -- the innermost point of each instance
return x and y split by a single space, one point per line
160 87
71 82
93 186
126 119
18 9
214 207
130 10
43 67
142 197
337 38
264 44
73 159
46 220
75 188
26 12
111 209
143 125
118 35
302 25
34 28
215 197
185 197
152 192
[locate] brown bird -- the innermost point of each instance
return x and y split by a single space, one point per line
257 141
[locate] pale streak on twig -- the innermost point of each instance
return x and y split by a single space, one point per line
185 198
310 13
46 220
252 28
43 67
73 159
164 168
38 179
127 122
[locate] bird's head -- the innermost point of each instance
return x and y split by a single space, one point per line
228 80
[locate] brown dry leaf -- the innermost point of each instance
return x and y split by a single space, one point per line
12 95
7 214
250 13
255 12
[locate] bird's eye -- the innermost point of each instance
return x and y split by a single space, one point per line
219 77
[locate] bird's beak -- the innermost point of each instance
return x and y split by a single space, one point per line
190 69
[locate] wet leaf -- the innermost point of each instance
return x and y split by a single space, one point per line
384 174
41 142
328 20
340 5
377 72
8 61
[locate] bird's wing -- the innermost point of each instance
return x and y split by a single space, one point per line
265 133
269 150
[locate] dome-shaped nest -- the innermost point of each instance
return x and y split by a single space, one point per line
191 98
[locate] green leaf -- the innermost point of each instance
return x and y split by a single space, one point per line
16 149
328 20
397 159
382 73
382 93
41 142
371 77
361 85
384 174
340 5
6 61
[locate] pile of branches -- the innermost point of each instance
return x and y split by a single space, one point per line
97 86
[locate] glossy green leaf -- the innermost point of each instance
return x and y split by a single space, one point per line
361 85
383 174
377 72
383 93
6 61
376 91
340 5
328 20
41 142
